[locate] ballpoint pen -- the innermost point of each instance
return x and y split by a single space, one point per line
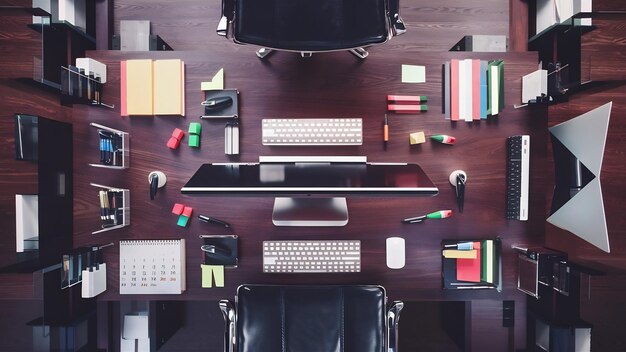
440 214
217 221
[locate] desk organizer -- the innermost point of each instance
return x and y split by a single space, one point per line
113 147
114 207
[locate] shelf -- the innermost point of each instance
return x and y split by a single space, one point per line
23 10
559 28
121 216
124 152
64 26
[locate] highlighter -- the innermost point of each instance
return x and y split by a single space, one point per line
444 139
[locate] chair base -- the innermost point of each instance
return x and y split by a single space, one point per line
361 53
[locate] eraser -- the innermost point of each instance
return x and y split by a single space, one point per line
178 209
417 138
194 140
195 128
182 221
406 108
178 134
187 211
407 98
173 143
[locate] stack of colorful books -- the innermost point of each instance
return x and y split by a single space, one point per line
472 89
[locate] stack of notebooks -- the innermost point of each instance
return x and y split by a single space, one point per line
472 264
472 89
152 87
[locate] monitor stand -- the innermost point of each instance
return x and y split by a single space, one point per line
307 211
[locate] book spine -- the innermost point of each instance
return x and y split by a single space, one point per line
475 89
454 90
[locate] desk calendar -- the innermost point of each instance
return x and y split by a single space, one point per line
152 266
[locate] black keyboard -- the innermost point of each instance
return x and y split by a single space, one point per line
517 165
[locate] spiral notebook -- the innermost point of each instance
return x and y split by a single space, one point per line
152 266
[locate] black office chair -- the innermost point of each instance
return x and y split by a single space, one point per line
309 26
310 319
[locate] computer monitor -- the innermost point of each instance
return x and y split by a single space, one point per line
578 147
311 191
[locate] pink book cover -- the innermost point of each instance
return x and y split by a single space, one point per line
476 90
123 109
454 90
469 269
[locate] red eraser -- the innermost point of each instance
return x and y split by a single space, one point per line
178 209
407 98
406 108
173 143
178 134
187 211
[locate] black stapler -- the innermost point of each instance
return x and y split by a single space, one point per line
217 103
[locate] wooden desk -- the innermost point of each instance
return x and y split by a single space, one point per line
329 85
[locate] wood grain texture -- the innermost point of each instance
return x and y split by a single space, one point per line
325 85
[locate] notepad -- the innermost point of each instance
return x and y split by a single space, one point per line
152 87
169 90
152 266
469 269
139 87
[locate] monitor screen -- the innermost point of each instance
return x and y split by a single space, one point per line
311 178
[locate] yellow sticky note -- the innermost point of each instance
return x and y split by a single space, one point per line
413 74
216 83
207 276
417 138
218 275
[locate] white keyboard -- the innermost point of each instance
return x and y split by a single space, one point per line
314 132
338 256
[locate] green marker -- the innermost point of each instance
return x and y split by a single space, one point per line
441 214
442 138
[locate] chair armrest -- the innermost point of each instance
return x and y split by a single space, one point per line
230 318
393 317
397 24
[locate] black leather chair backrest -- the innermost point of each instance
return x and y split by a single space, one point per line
311 25
310 318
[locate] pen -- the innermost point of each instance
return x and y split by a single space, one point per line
217 221
440 214
386 131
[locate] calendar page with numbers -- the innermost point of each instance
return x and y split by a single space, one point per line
152 266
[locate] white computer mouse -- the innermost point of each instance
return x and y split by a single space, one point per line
395 252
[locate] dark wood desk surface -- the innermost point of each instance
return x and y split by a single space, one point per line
328 85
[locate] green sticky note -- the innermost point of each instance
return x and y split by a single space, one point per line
413 74
207 276
194 140
195 128
182 221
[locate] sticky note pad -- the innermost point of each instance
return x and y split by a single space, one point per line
212 273
178 208
216 83
182 221
207 276
218 275
417 138
178 134
194 140
413 74
195 128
